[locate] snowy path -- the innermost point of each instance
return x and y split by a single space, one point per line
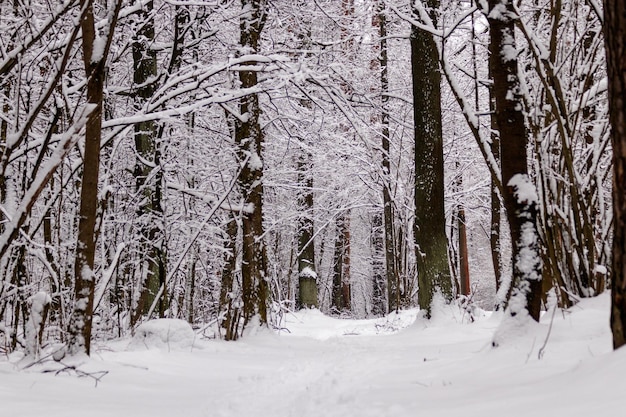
328 367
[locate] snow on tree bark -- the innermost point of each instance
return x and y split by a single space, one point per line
147 172
429 229
249 140
520 199
39 305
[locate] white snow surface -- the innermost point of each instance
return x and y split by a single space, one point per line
321 366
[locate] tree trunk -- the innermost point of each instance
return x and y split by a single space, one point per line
94 60
520 197
391 262
464 274
615 43
430 222
378 267
147 171
307 276
341 265
229 312
249 139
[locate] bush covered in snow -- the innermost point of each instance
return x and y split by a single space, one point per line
166 334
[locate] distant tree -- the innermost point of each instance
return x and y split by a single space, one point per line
307 274
307 277
615 44
430 222
392 277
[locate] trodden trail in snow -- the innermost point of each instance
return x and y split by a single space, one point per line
322 366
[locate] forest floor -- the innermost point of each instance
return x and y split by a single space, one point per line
321 366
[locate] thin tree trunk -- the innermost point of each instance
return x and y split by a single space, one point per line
378 266
464 274
393 281
307 276
94 60
229 312
341 264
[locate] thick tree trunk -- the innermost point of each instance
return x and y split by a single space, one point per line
615 42
249 139
520 197
430 222
147 171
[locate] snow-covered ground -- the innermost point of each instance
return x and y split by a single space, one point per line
321 366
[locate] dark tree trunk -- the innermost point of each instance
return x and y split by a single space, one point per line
249 139
307 276
391 262
341 265
520 199
495 224
615 42
147 171
464 274
229 312
81 319
378 267
430 222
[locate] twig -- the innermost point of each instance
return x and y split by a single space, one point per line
545 342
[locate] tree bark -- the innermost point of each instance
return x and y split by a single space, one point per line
147 171
430 222
391 262
94 62
615 43
307 276
229 312
341 265
379 307
249 140
520 197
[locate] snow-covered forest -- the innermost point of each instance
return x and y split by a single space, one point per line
240 169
